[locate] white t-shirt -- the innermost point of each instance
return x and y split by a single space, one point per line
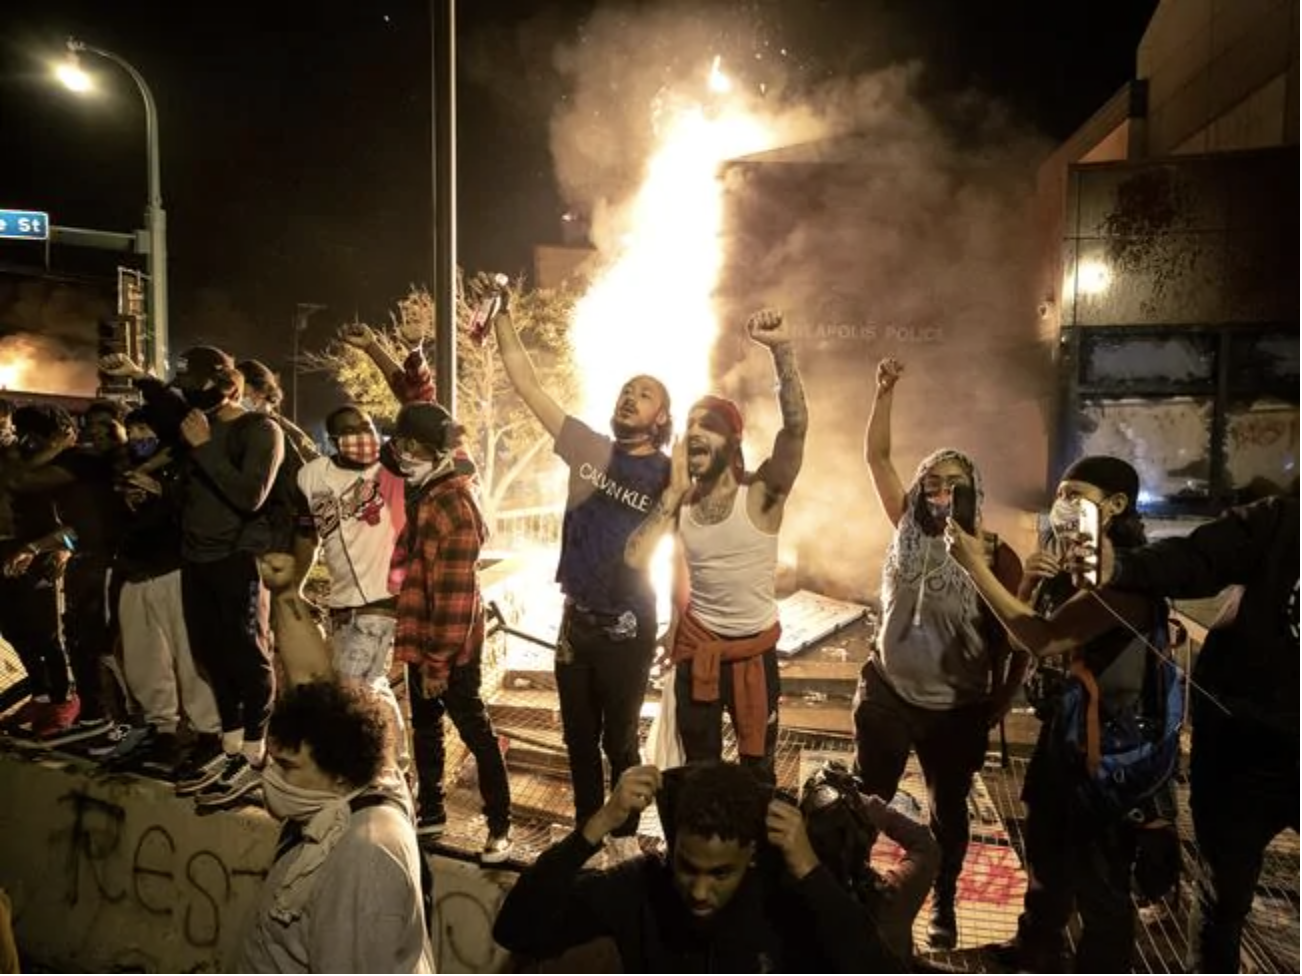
356 518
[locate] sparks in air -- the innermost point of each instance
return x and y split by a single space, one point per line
720 83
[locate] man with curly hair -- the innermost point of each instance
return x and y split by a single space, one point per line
347 890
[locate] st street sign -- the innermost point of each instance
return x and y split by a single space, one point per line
24 225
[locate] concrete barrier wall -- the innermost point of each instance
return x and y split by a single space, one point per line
115 874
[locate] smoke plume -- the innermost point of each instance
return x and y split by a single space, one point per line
886 225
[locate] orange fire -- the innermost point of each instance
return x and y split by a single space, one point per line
651 309
14 369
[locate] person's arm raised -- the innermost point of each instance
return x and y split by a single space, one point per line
520 371
877 443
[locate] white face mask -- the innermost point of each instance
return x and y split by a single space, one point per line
288 802
415 470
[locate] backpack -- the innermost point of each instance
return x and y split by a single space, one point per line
1138 751
291 835
286 510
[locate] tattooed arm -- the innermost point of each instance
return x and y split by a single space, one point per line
778 474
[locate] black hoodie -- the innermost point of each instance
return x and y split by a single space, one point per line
1250 664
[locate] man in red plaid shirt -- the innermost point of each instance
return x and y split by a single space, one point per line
440 630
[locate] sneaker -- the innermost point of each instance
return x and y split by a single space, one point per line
432 824
55 718
497 848
119 741
159 757
238 778
24 716
200 770
942 929
78 731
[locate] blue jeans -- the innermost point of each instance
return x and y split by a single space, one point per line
362 647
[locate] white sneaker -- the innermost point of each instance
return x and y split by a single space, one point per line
496 849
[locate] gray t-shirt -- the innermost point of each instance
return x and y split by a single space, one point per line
229 480
935 656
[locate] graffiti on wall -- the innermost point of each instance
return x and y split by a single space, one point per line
105 863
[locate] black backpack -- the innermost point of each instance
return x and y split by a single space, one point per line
286 511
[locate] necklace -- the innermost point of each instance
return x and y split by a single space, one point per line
922 581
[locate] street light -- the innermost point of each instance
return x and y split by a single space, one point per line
72 76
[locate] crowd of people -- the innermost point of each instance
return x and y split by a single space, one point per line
181 532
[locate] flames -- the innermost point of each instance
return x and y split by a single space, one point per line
651 309
15 369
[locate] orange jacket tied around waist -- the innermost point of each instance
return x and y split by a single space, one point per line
708 652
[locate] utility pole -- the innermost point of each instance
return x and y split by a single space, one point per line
443 47
302 312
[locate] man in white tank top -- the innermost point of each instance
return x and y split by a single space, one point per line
724 638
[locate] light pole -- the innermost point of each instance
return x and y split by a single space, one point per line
76 80
302 312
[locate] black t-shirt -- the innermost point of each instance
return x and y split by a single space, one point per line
610 494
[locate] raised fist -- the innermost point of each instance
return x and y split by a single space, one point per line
889 372
768 328
357 334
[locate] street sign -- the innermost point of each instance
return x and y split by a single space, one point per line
24 225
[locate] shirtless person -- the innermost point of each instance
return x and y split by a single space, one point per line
725 639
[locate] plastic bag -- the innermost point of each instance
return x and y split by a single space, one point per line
663 745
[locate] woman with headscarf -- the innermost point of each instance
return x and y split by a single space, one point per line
1097 701
942 672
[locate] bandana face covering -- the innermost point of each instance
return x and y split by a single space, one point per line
415 470
288 802
363 449
938 510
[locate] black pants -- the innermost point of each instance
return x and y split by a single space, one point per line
601 684
1077 859
226 616
1243 791
951 747
462 703
86 629
700 724
29 620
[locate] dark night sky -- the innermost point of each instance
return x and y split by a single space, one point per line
296 135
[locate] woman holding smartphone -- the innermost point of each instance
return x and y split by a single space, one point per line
1079 851
943 671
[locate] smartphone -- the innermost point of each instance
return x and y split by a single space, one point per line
1088 530
963 507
